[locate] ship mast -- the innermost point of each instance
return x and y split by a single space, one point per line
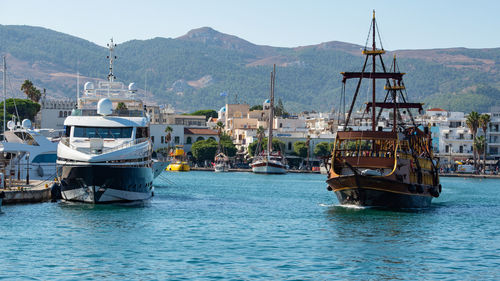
374 48
271 113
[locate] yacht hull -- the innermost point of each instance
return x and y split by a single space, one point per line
106 184
268 168
369 191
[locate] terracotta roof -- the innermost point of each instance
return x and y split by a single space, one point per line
196 131
436 109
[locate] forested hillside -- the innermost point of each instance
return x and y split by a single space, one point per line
191 71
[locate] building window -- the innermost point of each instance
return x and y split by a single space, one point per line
281 125
176 139
60 113
199 139
189 140
289 146
153 139
162 139
461 149
65 114
212 138
447 149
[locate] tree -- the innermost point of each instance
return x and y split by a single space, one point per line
300 148
31 91
204 150
207 112
256 107
480 145
472 121
228 145
121 106
26 109
277 145
279 109
220 127
168 137
322 149
484 121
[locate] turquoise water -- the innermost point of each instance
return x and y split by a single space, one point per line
203 225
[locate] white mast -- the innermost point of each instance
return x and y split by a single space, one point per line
4 89
271 114
77 85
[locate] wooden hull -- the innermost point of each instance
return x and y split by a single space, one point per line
372 191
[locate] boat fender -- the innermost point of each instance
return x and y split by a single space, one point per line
420 189
434 192
40 171
55 192
439 186
329 188
412 188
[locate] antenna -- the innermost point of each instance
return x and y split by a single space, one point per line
111 57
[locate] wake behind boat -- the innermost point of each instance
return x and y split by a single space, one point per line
392 167
105 155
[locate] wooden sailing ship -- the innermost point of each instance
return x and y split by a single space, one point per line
390 166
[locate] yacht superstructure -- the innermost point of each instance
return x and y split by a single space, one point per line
105 155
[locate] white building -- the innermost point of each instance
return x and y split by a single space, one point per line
53 112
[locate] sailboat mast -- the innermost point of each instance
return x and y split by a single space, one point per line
373 71
4 89
271 113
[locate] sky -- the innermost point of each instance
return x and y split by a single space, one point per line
403 24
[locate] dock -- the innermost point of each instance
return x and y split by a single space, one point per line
20 192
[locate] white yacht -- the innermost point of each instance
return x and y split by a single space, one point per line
105 156
29 153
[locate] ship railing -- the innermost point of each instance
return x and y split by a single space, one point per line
115 112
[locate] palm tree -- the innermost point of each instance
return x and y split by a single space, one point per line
168 137
220 127
31 91
484 120
480 145
472 122
260 137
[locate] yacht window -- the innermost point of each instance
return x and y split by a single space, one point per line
45 158
67 131
26 137
142 132
102 132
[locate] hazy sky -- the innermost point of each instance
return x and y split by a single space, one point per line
403 24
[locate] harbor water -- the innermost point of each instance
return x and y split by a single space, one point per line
205 226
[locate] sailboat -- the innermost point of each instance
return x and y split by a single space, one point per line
392 167
269 161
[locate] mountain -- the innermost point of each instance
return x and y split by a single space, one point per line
191 71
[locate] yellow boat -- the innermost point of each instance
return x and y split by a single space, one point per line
179 162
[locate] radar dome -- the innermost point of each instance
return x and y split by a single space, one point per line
132 87
88 86
11 125
26 124
104 107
